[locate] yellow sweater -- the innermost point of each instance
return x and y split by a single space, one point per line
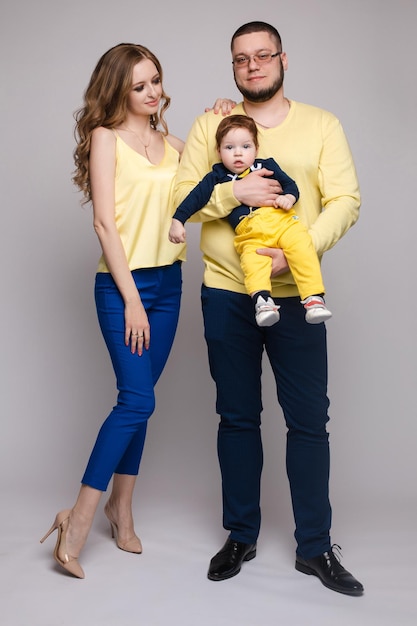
144 207
311 147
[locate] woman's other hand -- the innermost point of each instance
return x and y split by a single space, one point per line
137 329
223 105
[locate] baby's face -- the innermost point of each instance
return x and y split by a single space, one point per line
237 150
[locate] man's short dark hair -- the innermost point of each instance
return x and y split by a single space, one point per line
258 27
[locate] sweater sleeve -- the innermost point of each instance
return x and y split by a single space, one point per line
339 188
196 199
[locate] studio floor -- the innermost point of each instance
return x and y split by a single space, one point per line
167 584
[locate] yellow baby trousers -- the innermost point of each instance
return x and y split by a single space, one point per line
268 227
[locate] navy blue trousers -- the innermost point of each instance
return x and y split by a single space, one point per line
120 441
298 356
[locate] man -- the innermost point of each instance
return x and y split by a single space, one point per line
311 147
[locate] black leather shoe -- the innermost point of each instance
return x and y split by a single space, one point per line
228 561
331 573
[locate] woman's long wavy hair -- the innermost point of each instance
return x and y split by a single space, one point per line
105 103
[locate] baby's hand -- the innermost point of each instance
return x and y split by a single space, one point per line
284 202
176 232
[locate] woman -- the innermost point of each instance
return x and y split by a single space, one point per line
126 163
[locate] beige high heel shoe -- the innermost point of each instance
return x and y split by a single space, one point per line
131 545
69 563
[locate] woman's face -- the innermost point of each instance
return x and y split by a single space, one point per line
146 92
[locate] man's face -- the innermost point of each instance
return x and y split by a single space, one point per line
257 81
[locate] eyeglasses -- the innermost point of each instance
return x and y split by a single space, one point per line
262 58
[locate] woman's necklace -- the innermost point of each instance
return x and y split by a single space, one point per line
145 145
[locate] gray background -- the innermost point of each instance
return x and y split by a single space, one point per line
354 58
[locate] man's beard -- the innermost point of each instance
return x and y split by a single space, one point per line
262 95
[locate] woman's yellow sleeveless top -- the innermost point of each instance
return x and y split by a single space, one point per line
144 207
